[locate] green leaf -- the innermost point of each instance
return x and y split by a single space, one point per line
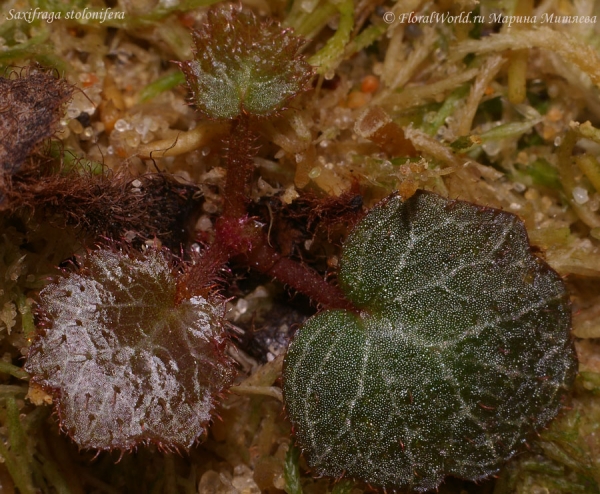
329 57
542 173
459 349
292 471
244 66
125 361
160 85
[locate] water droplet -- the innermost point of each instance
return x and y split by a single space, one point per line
314 172
122 125
580 195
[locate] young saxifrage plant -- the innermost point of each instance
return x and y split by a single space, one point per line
445 347
246 71
132 352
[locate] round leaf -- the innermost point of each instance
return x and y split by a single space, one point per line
125 363
244 66
461 348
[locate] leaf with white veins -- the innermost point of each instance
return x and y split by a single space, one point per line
460 349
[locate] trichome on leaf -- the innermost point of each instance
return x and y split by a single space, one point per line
462 348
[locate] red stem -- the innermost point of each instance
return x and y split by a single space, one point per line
236 234
299 276
240 168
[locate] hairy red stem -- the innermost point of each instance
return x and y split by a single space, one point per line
299 276
238 235
240 168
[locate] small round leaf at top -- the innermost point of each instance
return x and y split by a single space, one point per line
460 348
244 66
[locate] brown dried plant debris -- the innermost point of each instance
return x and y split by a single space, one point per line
30 108
116 206
310 212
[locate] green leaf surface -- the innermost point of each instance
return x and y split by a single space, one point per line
459 349
126 364
244 66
